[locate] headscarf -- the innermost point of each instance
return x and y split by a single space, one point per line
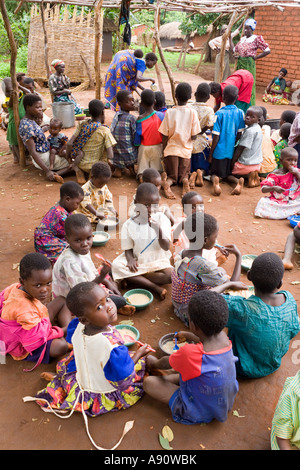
251 22
57 62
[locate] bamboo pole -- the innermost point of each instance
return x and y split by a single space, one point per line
15 93
98 47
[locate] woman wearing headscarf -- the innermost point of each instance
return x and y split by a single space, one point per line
246 51
59 85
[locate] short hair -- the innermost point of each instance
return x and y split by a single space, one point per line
145 189
147 97
122 95
96 108
199 226
101 169
20 75
215 88
183 91
56 122
208 310
160 99
266 272
256 110
202 92
283 70
151 56
288 116
285 130
150 174
210 225
264 112
287 152
230 94
31 262
30 99
188 196
71 189
77 297
138 53
75 221
28 80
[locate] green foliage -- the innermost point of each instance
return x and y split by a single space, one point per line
21 63
20 27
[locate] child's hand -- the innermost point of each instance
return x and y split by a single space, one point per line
278 189
153 224
132 265
100 215
238 285
232 249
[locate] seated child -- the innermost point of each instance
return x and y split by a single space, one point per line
107 377
27 314
247 157
292 240
286 116
57 140
91 142
227 129
147 137
283 186
123 128
75 264
268 164
284 133
160 102
200 368
286 420
192 272
145 239
98 200
201 146
179 128
261 327
49 236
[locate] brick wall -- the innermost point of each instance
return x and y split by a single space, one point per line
281 30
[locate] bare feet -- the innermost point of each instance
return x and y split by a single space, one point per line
167 190
163 294
216 186
80 176
185 186
254 180
238 189
117 173
287 265
127 310
192 180
140 179
48 376
199 179
58 178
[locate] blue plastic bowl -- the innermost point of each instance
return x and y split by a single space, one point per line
294 219
134 332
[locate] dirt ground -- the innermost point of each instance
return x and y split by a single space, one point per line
25 198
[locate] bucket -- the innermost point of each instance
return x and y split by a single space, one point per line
65 113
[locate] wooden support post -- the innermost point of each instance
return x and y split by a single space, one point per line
157 70
45 41
15 96
98 47
223 46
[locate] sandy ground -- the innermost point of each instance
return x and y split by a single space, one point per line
25 198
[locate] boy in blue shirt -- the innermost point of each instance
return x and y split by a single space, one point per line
229 125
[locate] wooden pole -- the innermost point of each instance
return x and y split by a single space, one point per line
46 49
184 52
98 47
157 70
15 93
223 46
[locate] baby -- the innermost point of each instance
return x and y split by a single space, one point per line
57 141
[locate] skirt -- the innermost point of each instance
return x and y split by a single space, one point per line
240 169
270 209
59 162
248 63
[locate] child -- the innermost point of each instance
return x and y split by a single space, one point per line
262 326
75 264
201 147
292 240
123 128
268 164
192 272
179 128
160 102
145 239
57 141
203 386
284 188
98 201
284 133
227 129
286 116
91 142
247 157
49 236
26 314
107 377
147 136
286 419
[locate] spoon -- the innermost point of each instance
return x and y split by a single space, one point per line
176 347
130 339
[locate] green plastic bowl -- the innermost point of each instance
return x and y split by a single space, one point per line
139 291
135 332
245 261
103 242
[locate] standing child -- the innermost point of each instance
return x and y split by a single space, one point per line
145 239
227 129
284 133
269 163
49 236
147 137
57 140
98 200
160 102
200 369
123 128
262 326
179 128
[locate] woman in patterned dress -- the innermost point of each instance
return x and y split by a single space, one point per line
59 85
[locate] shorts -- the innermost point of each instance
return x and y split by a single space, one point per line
149 156
177 168
220 167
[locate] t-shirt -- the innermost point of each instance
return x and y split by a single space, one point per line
147 132
252 141
229 121
243 80
100 198
206 118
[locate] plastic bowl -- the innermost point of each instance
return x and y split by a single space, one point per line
294 220
245 261
139 291
163 340
102 242
135 332
111 225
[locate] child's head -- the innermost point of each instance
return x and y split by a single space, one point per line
192 202
33 105
150 60
55 126
125 100
29 84
147 98
254 115
71 195
79 233
208 313
183 92
287 116
96 110
288 83
266 273
264 115
138 53
230 94
36 276
282 73
201 230
91 304
100 174
151 175
285 130
288 158
146 196
160 100
202 94
215 89
20 76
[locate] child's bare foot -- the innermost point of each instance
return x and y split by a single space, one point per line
163 294
192 180
48 376
253 180
140 179
238 189
117 173
287 265
199 179
58 178
127 310
185 186
216 186
167 190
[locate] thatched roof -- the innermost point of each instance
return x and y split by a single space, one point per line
172 31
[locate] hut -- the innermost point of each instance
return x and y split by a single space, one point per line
171 36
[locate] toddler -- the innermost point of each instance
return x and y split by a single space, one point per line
284 133
179 128
49 236
261 327
57 141
200 368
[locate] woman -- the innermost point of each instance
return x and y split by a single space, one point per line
245 51
278 90
126 72
59 85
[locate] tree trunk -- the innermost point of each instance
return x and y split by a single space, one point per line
98 47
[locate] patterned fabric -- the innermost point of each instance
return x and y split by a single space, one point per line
123 128
58 141
282 144
62 82
247 47
100 198
29 128
49 236
206 118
